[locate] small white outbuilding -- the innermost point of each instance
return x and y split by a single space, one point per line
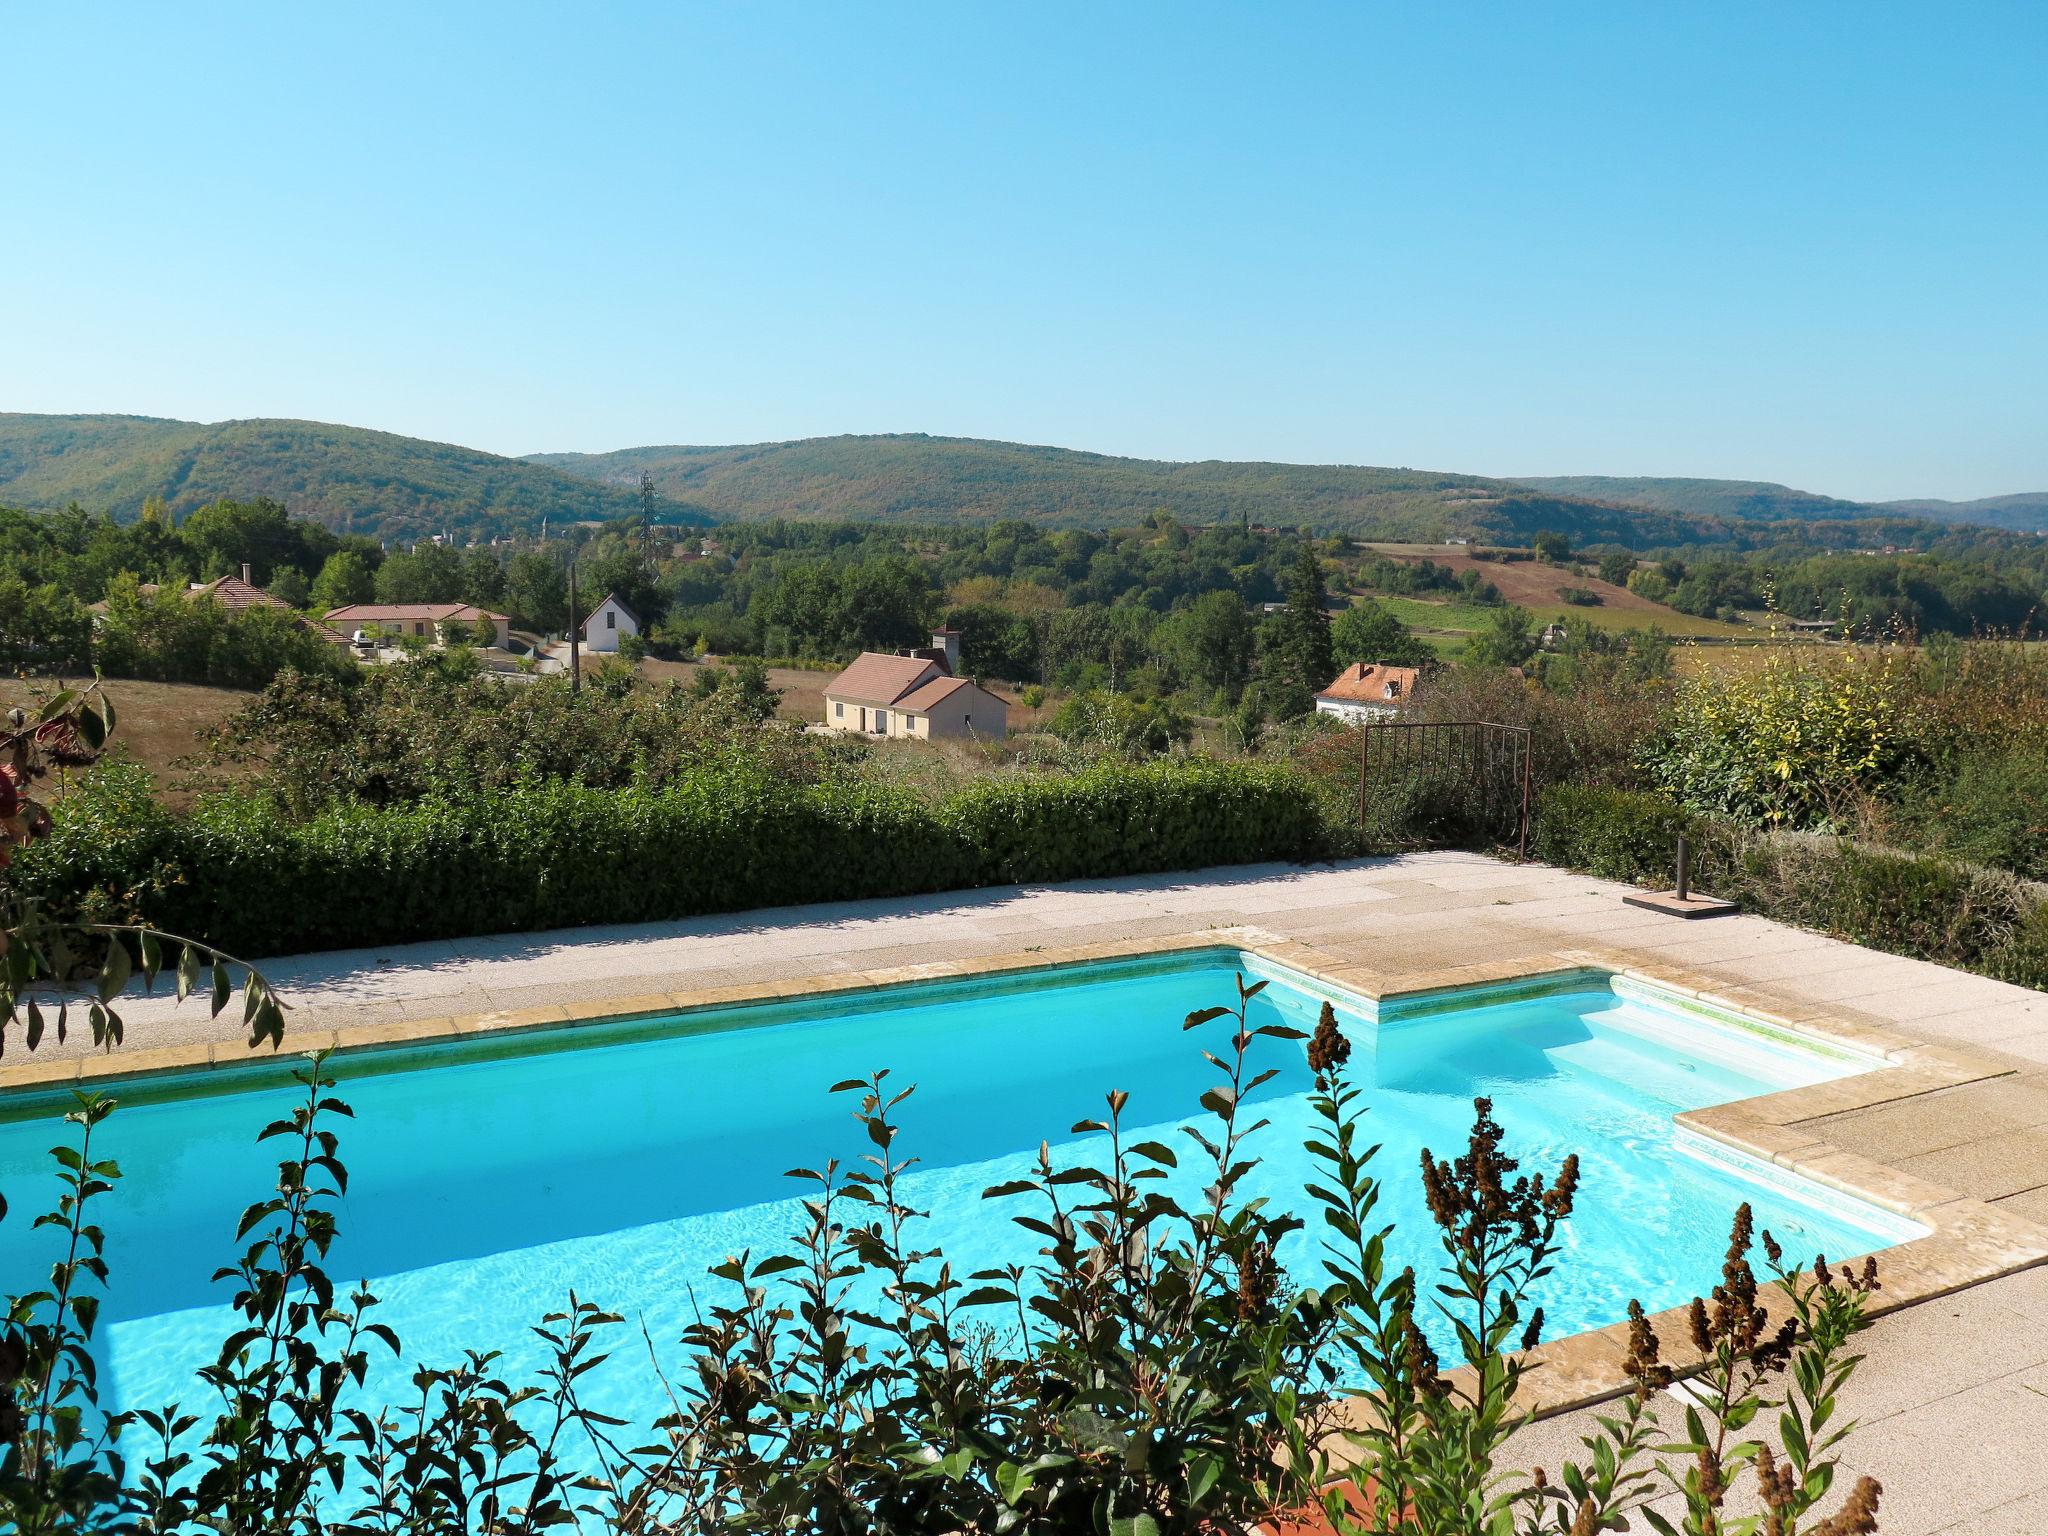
610 622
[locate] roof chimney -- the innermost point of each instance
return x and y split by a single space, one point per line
245 574
948 640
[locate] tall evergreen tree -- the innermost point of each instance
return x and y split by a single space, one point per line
1302 661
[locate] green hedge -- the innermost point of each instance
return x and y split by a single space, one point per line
1959 914
242 874
1609 832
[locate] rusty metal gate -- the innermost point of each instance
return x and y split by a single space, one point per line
1489 763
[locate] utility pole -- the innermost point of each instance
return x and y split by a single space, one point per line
575 653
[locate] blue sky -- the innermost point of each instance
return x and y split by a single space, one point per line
1802 243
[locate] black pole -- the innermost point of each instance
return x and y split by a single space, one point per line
1684 869
575 652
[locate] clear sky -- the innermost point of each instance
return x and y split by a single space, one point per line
1801 242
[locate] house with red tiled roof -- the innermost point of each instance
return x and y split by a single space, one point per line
233 593
237 594
1366 691
914 696
420 621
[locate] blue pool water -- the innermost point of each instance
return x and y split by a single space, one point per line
623 1160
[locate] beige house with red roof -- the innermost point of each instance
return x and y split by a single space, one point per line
914 696
1366 691
421 621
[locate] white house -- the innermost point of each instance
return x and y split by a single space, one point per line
915 696
610 622
1367 691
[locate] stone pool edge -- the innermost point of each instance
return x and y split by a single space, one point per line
1968 1241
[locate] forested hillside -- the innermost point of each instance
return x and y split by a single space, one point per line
401 488
912 478
347 478
1743 500
1764 501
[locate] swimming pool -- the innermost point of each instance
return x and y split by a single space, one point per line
488 1177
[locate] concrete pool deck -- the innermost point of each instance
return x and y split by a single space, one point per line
1954 1130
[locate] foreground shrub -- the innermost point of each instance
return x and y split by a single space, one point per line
1152 1371
1927 907
1118 819
172 636
1795 743
248 875
1992 808
1613 833
2023 958
437 727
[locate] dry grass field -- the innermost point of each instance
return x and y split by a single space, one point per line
1539 587
158 724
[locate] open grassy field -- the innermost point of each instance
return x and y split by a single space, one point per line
1428 617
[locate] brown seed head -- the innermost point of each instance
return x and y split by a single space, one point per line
1856 1517
1642 1366
1328 1050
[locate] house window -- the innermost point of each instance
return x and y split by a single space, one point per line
838 710
611 620
881 722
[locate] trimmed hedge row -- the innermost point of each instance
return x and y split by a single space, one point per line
243 875
1962 915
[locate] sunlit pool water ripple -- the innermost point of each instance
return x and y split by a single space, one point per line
485 1185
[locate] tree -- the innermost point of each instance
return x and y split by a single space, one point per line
1300 659
1615 566
1367 631
1551 546
743 684
1650 583
346 578
995 643
483 579
1507 640
43 628
223 536
613 564
1121 723
1212 641
431 573
289 586
536 592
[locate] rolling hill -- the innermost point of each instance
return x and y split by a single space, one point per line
1764 501
913 478
382 484
345 477
2027 511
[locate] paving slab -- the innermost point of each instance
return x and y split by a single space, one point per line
1989 1167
